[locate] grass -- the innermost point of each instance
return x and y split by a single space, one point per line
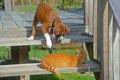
2 52
35 52
33 8
27 8
64 76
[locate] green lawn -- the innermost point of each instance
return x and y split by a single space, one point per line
33 8
65 76
35 52
2 52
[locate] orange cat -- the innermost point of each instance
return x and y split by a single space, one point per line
59 59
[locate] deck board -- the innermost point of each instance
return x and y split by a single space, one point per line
7 21
19 20
35 68
18 42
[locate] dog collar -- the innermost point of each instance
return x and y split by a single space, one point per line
54 21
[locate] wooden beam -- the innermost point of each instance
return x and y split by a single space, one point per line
20 55
110 18
102 39
8 5
116 50
86 14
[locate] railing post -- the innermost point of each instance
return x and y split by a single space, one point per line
110 18
8 5
102 39
20 54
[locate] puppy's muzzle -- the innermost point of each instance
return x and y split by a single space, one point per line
59 37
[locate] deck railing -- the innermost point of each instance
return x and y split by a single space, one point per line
108 38
114 39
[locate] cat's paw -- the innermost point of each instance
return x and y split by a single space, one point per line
30 38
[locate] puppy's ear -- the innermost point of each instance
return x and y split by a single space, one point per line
67 29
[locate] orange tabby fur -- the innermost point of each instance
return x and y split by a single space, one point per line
59 59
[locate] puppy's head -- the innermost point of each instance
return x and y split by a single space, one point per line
60 30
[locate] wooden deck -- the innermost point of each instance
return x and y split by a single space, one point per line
15 27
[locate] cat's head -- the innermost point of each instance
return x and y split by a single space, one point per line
82 57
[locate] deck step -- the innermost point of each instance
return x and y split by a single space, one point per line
41 41
35 69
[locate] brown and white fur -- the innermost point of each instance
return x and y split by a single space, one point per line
59 59
49 19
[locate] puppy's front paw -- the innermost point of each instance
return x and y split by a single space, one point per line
31 38
61 38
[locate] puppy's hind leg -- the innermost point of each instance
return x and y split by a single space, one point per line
35 22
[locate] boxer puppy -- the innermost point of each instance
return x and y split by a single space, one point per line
51 24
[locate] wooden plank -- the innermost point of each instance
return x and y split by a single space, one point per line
86 14
8 5
7 21
19 20
18 42
95 24
1 27
20 54
116 9
91 17
110 18
102 39
39 41
116 50
35 69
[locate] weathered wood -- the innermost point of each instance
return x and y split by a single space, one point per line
34 69
95 24
89 47
7 21
96 56
89 16
114 38
18 42
110 18
102 39
116 50
8 5
1 27
86 14
39 41
20 54
116 10
19 20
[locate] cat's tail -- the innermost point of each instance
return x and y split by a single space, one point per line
50 68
